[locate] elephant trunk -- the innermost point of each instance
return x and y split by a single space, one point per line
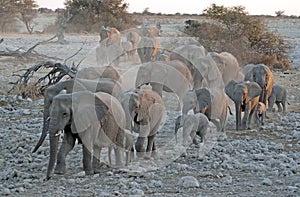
178 124
43 135
237 115
53 153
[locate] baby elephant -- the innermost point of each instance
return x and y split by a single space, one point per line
193 124
260 113
278 96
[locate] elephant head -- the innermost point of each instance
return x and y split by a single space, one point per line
148 48
262 75
95 73
110 35
243 94
80 110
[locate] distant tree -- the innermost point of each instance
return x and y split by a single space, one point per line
8 11
89 15
27 12
232 29
279 13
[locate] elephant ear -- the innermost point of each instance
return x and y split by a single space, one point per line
254 89
204 97
229 89
87 113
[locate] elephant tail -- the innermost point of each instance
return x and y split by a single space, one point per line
230 112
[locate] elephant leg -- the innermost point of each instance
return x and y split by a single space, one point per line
279 106
87 158
139 146
67 145
96 158
151 146
119 156
250 117
284 106
217 123
245 119
223 119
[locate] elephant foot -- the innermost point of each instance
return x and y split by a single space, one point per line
89 172
60 170
99 168
140 154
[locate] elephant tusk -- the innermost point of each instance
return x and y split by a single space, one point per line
48 119
58 133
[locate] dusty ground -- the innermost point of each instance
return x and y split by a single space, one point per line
261 161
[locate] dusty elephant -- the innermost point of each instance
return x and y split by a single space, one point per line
95 73
134 38
148 48
96 119
109 36
245 95
188 55
170 76
199 100
193 124
144 111
260 113
227 64
104 85
262 75
278 96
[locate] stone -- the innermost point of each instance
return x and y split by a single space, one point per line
5 191
267 182
137 192
188 182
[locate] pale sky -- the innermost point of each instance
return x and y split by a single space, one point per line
254 7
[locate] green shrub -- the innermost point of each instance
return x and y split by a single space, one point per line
233 30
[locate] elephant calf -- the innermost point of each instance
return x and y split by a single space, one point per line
193 124
260 113
278 96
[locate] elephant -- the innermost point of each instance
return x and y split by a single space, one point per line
199 100
134 38
128 146
278 96
188 55
193 124
127 49
163 55
144 111
109 50
227 65
96 119
148 48
104 85
170 76
150 31
245 95
109 36
211 102
260 113
95 73
262 75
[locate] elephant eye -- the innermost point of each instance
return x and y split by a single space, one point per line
65 114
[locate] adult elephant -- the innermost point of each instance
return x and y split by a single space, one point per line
95 73
144 111
96 119
134 38
148 48
109 50
170 76
227 65
245 95
188 54
107 85
262 75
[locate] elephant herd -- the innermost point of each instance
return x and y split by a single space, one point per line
96 110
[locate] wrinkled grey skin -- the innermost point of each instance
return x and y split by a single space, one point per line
189 54
96 119
227 64
148 48
128 147
245 95
107 85
278 96
96 73
199 100
169 76
260 113
262 75
193 124
144 111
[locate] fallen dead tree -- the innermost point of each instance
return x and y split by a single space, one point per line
29 85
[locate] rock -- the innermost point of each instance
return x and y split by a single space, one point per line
136 192
267 182
80 174
5 192
296 135
188 182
